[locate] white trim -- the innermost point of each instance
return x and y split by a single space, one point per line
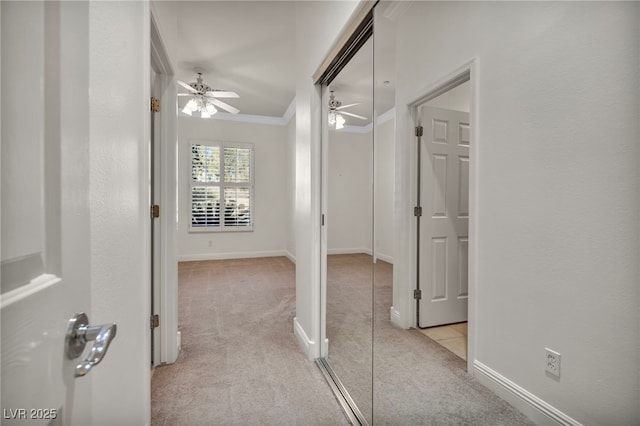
395 317
36 285
250 118
385 257
386 116
290 256
353 250
233 255
533 407
287 116
166 288
307 345
290 112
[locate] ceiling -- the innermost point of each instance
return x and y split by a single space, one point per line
249 47
243 46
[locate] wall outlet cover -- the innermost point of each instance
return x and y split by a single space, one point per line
552 362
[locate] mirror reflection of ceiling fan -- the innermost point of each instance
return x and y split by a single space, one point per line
336 112
204 99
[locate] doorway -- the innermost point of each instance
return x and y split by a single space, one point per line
163 291
442 215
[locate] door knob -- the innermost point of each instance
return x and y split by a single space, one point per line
79 333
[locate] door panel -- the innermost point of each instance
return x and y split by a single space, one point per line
444 229
44 61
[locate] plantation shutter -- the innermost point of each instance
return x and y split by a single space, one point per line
221 186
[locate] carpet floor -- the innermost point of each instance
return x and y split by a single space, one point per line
241 364
416 381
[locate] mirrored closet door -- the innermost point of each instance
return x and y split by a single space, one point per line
348 243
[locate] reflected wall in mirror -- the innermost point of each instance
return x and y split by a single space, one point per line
348 208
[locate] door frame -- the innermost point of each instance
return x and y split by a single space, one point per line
403 311
165 285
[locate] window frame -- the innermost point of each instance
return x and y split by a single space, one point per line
222 185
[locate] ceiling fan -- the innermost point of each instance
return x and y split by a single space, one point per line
336 114
204 98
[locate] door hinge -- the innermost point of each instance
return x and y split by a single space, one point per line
155 321
419 131
155 104
322 220
417 294
417 211
155 211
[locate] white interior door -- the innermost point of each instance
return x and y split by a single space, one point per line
45 212
444 229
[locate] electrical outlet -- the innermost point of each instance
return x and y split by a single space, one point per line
552 362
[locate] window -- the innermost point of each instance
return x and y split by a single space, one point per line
221 186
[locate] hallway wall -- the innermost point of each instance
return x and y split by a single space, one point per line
318 25
556 197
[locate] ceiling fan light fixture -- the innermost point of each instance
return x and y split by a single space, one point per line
332 118
339 121
211 109
203 100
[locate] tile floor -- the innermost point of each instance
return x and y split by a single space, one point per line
452 337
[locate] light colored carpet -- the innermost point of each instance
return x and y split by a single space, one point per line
240 362
416 381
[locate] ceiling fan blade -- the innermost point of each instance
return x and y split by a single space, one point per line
353 115
185 94
186 86
222 94
224 106
347 106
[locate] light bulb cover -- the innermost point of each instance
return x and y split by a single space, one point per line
211 109
192 105
332 118
339 121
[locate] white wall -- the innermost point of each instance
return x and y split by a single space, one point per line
271 191
555 190
349 195
317 27
118 70
384 187
291 188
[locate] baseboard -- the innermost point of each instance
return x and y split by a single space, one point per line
384 257
539 411
236 255
291 257
395 317
355 250
307 345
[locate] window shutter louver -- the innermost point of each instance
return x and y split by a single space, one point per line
221 186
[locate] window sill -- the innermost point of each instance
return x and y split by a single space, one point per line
210 230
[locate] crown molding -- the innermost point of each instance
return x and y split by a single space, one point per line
254 119
287 116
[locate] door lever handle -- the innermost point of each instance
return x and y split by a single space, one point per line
79 333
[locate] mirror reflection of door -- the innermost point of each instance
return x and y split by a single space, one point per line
349 227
